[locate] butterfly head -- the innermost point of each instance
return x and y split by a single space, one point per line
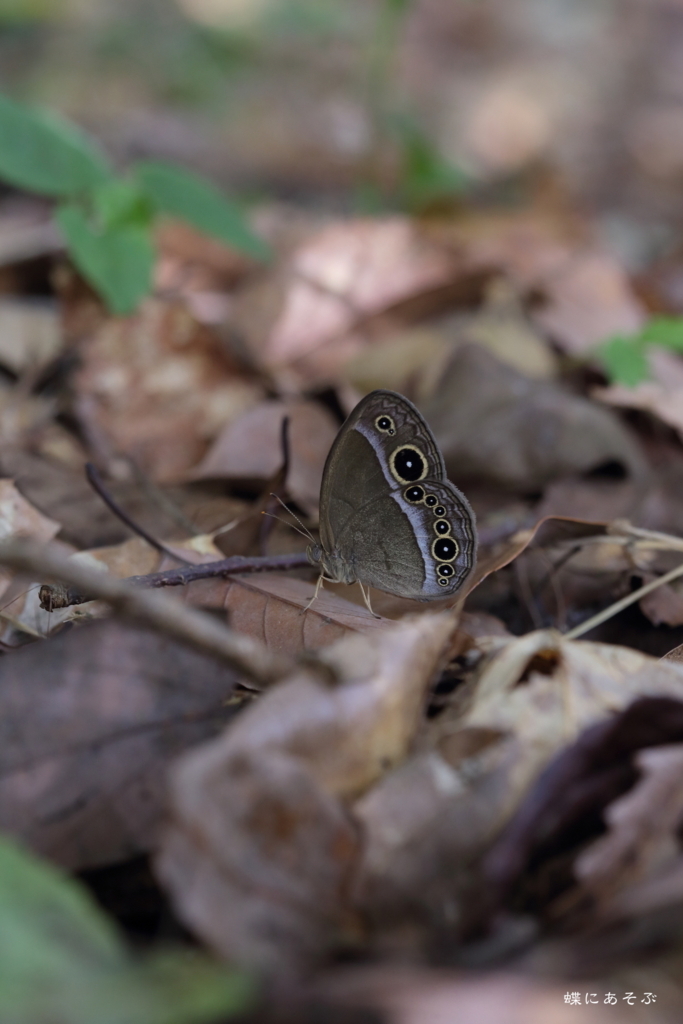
333 566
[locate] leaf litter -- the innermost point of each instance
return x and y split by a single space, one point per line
480 812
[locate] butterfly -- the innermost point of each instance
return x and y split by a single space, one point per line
389 516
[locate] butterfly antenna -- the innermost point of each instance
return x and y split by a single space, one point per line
270 514
287 509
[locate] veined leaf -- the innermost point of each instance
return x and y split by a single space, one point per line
41 153
117 261
181 193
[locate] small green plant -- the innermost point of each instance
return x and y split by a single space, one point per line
624 359
64 961
107 220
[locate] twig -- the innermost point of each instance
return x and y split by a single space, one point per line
278 485
62 597
160 612
98 485
164 502
618 606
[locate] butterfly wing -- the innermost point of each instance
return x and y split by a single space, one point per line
384 483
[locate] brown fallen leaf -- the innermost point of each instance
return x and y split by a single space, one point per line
30 334
642 843
19 518
273 608
485 417
159 386
260 850
662 395
88 720
303 323
249 448
663 606
587 294
22 610
565 804
427 823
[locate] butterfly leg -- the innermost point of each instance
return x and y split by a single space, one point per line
366 598
318 585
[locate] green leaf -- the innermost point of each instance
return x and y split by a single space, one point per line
182 194
121 203
664 330
118 261
62 961
426 177
624 360
41 153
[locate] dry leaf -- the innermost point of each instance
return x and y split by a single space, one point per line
304 323
485 417
502 327
18 518
273 608
564 806
587 293
427 823
249 448
160 387
642 844
662 395
30 334
88 721
261 848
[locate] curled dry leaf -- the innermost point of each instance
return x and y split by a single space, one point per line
88 721
633 866
22 609
485 417
261 847
159 387
249 448
427 823
19 518
565 809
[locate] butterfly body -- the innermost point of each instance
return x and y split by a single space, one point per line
389 517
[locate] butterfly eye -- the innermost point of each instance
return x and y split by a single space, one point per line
445 570
432 500
443 583
414 494
385 424
439 510
442 527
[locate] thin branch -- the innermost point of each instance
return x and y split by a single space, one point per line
53 597
618 606
98 485
278 485
160 612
